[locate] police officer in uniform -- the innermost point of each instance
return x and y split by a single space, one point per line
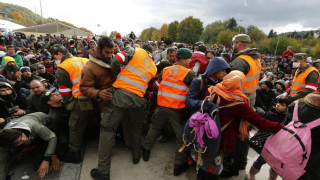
306 77
246 60
172 93
69 76
127 102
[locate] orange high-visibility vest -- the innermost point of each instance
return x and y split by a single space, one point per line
135 76
299 83
73 66
252 77
173 91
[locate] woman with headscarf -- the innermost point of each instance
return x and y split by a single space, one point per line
234 119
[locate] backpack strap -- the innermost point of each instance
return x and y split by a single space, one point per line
295 112
295 117
201 84
314 123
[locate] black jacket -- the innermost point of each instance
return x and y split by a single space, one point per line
48 76
35 105
265 99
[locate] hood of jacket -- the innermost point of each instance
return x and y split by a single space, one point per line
215 65
9 86
199 56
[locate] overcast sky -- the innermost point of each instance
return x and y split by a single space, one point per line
125 16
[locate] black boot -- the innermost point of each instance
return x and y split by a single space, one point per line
145 154
96 175
178 169
136 160
71 157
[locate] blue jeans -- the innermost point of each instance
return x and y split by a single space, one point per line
259 162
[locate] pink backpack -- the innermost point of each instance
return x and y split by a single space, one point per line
288 151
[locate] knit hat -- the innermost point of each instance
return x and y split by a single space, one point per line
242 38
268 84
41 66
118 35
8 59
121 56
270 74
24 69
313 100
184 53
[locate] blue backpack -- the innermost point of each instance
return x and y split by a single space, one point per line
210 145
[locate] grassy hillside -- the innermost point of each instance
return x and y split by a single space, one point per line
29 18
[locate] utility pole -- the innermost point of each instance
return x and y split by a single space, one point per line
240 20
41 12
275 52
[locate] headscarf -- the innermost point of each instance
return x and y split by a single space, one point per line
231 90
231 87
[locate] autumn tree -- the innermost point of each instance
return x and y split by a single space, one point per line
316 51
17 16
283 42
163 31
190 30
225 37
146 34
173 30
250 28
155 35
263 46
257 35
211 32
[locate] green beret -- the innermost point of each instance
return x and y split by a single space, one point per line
184 53
299 56
241 38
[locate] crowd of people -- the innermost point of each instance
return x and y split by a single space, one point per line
52 86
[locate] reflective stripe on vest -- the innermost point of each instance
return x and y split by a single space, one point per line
299 82
74 66
172 90
135 76
247 91
175 85
252 77
171 95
